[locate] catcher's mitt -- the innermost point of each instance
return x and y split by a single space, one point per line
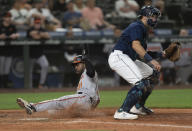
172 52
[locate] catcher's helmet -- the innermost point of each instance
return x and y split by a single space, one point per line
78 59
150 11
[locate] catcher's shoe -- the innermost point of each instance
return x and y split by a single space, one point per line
147 110
24 104
141 111
124 115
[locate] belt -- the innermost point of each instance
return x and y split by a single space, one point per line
117 51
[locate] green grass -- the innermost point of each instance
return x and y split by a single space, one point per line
181 98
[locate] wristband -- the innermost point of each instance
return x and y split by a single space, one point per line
147 57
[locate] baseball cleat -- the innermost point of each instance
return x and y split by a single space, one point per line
124 115
141 111
148 110
24 104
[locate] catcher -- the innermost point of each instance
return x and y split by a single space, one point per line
86 98
172 52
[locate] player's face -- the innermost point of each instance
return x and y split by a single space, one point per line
79 67
154 18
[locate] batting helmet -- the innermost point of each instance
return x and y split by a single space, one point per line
78 59
150 11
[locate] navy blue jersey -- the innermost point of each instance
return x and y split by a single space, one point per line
135 31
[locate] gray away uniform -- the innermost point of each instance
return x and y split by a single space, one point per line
87 96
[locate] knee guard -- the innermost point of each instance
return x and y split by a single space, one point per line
134 95
146 92
150 82
141 87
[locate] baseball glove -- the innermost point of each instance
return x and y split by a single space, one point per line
172 52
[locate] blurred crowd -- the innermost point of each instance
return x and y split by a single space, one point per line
83 14
38 17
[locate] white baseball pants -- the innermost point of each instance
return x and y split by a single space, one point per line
131 71
81 101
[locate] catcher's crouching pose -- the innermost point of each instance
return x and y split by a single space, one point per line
86 98
173 54
125 60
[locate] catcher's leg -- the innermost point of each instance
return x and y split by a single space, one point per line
134 95
139 107
128 70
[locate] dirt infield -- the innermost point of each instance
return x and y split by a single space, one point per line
101 120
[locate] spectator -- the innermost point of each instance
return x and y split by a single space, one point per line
71 18
144 2
37 32
19 15
127 8
51 22
184 32
7 32
168 72
147 2
184 68
160 4
94 16
25 5
60 6
78 5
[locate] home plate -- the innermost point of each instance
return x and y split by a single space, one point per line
33 119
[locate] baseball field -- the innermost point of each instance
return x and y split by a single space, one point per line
172 107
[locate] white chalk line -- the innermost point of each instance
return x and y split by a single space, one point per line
129 124
113 123
33 119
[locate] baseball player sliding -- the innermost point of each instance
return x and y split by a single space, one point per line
86 98
129 58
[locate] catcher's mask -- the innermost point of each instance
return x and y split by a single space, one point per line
150 11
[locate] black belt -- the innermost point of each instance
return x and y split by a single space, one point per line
118 50
79 92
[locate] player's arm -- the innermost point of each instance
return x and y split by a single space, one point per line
90 68
136 45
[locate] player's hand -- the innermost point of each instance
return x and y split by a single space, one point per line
156 65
